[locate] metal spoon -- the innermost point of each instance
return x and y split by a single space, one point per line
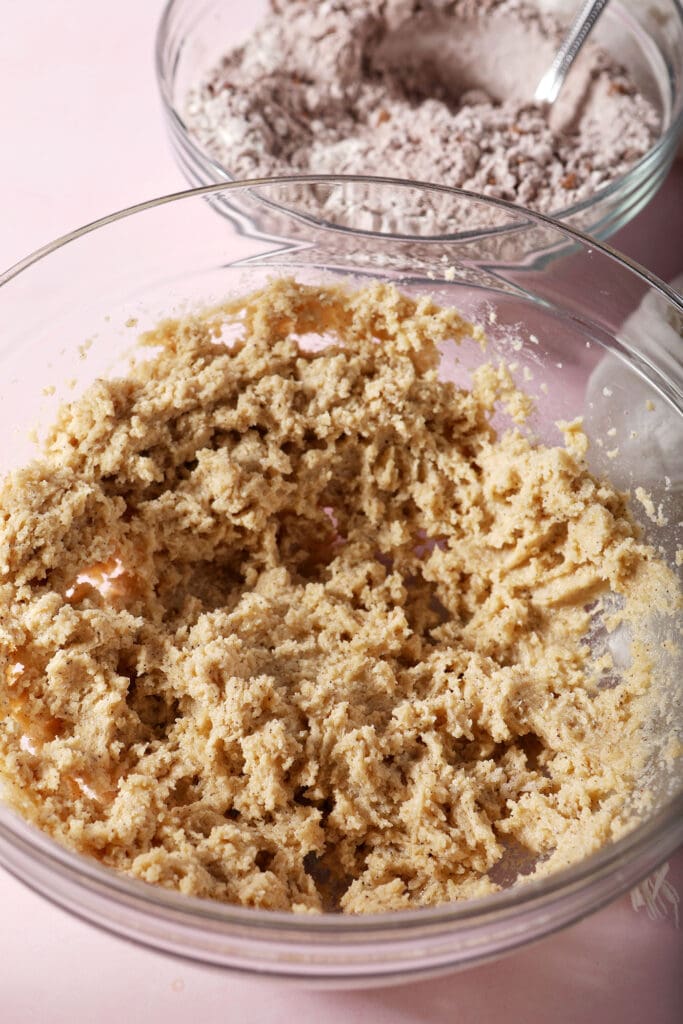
548 88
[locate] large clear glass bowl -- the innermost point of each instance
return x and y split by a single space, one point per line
645 38
600 337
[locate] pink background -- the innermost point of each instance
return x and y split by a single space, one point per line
83 136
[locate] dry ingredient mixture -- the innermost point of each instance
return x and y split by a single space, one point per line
294 627
421 89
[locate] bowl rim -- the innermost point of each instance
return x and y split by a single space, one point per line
574 234
667 140
657 837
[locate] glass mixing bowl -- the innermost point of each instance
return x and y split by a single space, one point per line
645 38
599 336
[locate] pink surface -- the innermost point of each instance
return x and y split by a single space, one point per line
83 136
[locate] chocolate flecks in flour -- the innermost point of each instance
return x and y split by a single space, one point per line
424 90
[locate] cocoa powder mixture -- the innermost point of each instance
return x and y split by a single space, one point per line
421 89
300 630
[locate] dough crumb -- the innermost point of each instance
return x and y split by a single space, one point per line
654 514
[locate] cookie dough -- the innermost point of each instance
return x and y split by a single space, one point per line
295 627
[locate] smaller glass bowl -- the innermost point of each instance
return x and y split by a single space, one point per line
192 38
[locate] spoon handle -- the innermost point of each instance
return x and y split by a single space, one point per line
552 81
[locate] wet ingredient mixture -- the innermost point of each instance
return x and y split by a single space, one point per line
421 89
294 627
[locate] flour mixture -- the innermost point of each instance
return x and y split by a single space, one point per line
421 89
